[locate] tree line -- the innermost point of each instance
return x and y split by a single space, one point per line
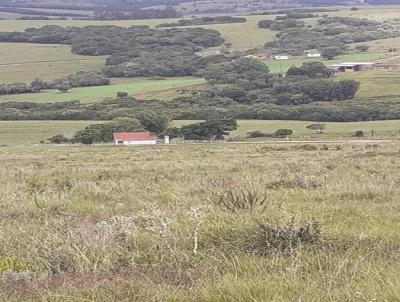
331 35
80 79
204 21
134 51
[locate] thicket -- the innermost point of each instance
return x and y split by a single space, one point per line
281 24
336 32
135 14
204 21
133 51
80 79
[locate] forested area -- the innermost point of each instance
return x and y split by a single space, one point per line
332 33
385 108
134 51
135 14
80 79
204 21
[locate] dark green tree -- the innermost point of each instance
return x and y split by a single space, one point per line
330 53
283 132
209 130
154 122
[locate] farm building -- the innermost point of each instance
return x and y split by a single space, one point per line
282 57
352 66
313 55
134 138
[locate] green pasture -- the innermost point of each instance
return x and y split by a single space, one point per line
375 83
333 130
23 62
32 132
92 94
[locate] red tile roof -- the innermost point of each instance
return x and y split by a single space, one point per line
134 136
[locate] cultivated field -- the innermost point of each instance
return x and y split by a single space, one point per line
32 132
200 223
135 86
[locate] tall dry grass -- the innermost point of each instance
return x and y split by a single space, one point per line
200 223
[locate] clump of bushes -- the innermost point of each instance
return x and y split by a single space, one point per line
280 133
229 195
273 238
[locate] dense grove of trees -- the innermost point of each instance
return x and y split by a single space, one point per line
330 32
297 15
133 51
204 21
135 14
281 24
80 79
208 130
206 108
245 73
18 88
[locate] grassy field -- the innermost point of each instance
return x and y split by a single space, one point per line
94 94
375 83
32 132
207 223
23 62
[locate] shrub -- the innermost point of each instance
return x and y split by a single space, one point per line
59 139
283 132
257 133
122 94
272 238
362 47
233 197
359 133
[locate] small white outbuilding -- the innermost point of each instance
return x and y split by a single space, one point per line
282 57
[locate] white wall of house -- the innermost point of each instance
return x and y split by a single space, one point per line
313 55
281 57
135 143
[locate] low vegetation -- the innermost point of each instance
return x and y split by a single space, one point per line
204 21
202 223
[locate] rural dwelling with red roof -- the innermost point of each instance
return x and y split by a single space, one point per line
134 138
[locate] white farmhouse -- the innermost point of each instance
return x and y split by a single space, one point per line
314 55
282 57
134 138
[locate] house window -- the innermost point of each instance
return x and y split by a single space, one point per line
120 142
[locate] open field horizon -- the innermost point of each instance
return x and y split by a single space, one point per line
213 216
